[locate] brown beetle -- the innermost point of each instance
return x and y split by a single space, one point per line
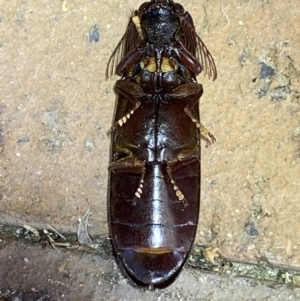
155 161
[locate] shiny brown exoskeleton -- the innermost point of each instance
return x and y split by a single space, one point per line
155 161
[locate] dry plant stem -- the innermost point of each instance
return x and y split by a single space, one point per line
228 21
60 235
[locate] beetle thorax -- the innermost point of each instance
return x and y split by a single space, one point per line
159 26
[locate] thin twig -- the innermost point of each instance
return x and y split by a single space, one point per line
52 242
228 21
62 244
82 232
56 232
31 229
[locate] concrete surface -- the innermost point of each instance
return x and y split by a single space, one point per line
77 276
56 108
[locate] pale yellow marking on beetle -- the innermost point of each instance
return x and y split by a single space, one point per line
124 119
168 65
159 250
137 195
175 187
139 190
137 22
181 197
149 64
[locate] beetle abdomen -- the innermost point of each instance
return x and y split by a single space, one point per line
153 234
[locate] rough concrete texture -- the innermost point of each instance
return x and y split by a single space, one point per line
56 109
77 276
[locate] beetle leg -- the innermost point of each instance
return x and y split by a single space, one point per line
139 191
188 60
127 62
131 91
187 153
130 164
178 192
185 157
194 92
206 134
172 166
122 151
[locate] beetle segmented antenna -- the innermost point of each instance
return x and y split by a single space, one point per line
193 43
129 40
